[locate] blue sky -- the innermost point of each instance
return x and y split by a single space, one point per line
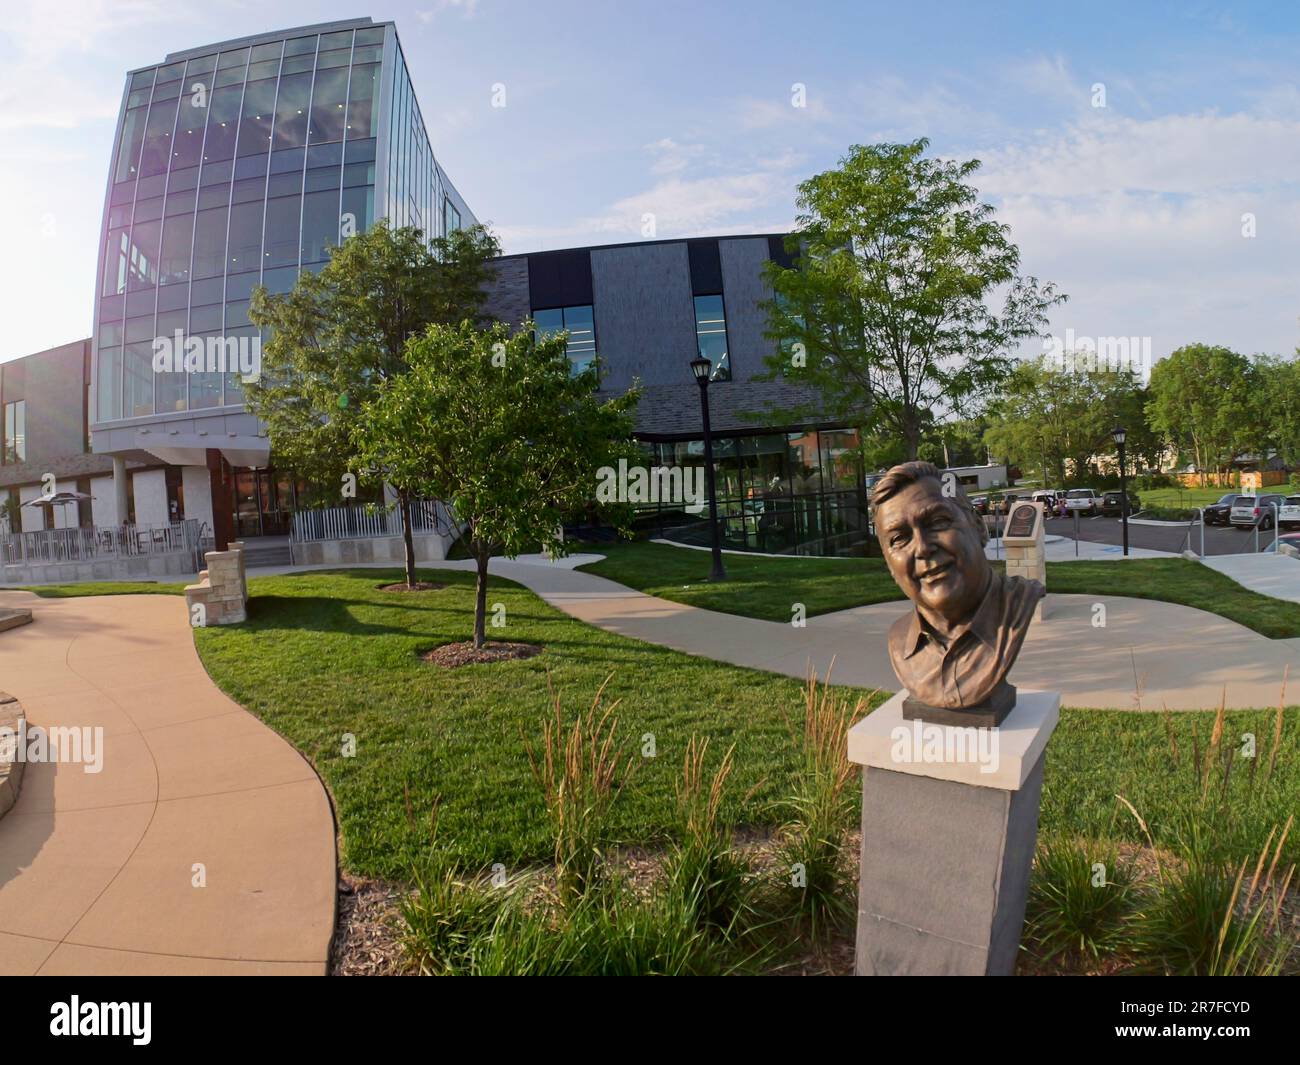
684 111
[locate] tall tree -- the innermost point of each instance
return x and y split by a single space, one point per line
339 334
497 427
888 312
1201 401
1058 420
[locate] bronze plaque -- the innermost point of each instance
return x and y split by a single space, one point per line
1022 520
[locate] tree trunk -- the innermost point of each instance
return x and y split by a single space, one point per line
482 554
408 540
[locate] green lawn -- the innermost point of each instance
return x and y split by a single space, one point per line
1184 498
327 653
767 587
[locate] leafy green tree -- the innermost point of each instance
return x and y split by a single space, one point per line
497 427
1201 402
342 332
1058 420
888 312
1277 413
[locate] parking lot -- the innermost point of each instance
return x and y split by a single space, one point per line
1219 540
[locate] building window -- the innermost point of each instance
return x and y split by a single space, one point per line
15 432
581 326
450 216
711 335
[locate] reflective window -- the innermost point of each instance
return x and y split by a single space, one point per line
327 118
361 101
158 137
223 119
142 263
291 111
174 262
255 124
15 448
282 216
451 217
210 243
117 253
128 153
711 335
108 401
320 224
245 237
580 324
359 208
138 391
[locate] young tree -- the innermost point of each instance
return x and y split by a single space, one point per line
887 313
1201 402
341 333
497 427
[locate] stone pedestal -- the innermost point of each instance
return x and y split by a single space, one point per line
949 825
1023 541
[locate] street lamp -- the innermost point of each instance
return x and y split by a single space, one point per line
701 368
1118 434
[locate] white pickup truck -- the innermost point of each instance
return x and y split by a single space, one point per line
1082 499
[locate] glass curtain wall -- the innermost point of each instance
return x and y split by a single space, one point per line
233 169
778 493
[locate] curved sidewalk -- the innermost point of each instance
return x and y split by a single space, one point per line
98 871
1176 656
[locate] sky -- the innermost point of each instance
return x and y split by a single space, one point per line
1146 156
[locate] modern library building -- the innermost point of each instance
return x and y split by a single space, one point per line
241 163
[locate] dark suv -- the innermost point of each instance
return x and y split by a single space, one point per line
1220 513
1110 504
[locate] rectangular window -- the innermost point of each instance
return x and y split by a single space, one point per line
581 327
15 432
711 335
450 217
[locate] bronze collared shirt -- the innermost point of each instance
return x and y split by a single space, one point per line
976 658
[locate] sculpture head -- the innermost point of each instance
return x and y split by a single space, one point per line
932 539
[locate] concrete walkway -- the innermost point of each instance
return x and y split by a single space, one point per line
1269 574
98 871
1148 655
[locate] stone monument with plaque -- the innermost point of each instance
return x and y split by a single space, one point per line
952 764
1022 539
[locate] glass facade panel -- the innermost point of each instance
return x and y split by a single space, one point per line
581 327
328 98
711 335
245 247
15 443
230 171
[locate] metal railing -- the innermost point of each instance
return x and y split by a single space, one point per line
365 522
96 543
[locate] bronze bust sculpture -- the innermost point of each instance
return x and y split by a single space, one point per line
954 651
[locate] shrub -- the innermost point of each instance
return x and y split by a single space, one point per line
821 885
1081 896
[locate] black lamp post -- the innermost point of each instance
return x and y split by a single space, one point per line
1118 434
701 368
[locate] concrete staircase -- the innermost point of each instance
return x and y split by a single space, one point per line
266 551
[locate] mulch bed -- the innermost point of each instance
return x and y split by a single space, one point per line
419 586
451 655
367 936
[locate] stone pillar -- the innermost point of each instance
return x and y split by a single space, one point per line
223 513
949 826
1026 554
121 503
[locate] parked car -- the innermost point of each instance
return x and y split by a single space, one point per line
1084 500
1046 496
1110 504
1250 511
1220 513
1290 512
980 503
